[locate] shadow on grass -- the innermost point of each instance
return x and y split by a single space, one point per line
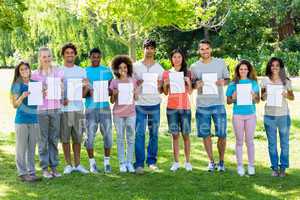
198 184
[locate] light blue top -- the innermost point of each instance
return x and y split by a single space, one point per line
242 109
100 73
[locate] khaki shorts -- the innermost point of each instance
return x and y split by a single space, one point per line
72 124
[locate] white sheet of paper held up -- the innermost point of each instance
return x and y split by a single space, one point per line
244 96
125 96
100 91
150 83
274 95
176 82
74 89
210 86
53 88
36 93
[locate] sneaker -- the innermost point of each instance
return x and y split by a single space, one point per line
47 174
188 166
153 167
275 173
94 169
211 166
123 168
107 169
221 166
55 173
130 168
175 167
81 169
282 173
25 178
251 170
139 170
241 170
68 169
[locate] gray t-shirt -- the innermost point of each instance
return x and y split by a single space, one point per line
215 66
275 110
138 69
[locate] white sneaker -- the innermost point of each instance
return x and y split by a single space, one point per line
123 168
68 169
241 170
251 170
130 168
211 166
81 169
174 167
94 169
188 166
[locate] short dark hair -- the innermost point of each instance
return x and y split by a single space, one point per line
95 50
68 46
149 43
205 41
117 61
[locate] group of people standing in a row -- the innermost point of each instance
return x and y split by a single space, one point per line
67 119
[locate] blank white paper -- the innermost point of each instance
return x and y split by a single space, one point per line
210 86
176 82
74 91
53 88
100 91
274 95
36 93
125 95
244 96
150 83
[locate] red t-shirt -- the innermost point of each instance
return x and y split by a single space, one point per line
178 100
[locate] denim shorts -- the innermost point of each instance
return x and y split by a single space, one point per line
179 120
98 118
204 115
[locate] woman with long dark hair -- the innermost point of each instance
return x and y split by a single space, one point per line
26 123
179 109
277 118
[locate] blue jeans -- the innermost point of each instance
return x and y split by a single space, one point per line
146 115
282 123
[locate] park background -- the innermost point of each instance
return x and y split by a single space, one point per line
239 29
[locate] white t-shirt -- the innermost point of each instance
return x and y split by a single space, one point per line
138 69
70 73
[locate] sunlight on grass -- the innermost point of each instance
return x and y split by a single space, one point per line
265 190
4 189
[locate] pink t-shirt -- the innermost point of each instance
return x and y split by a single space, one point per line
123 110
180 100
37 75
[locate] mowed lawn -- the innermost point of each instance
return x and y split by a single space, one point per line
198 184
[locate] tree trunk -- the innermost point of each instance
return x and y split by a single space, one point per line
132 42
206 33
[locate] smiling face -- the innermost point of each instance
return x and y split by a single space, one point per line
275 68
24 71
205 50
123 70
45 58
95 59
243 71
177 60
69 56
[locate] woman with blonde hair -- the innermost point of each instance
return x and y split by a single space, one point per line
48 113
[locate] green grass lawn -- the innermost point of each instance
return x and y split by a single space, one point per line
198 184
